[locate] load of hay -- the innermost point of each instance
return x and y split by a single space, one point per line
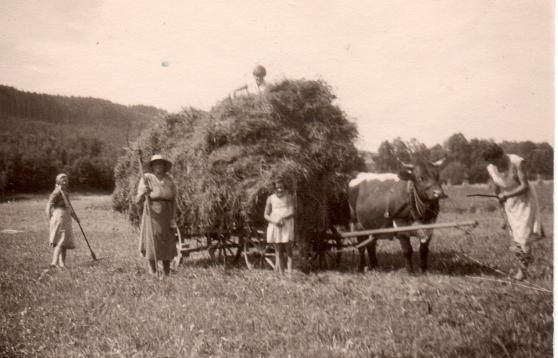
224 160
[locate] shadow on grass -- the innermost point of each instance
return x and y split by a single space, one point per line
444 263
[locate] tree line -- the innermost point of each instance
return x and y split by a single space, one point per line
464 162
29 162
42 135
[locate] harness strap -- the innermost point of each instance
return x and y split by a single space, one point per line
386 212
419 208
390 216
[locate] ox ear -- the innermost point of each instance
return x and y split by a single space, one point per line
439 162
405 174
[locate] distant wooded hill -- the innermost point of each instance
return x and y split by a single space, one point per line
42 135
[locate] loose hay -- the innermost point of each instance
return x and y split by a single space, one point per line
225 159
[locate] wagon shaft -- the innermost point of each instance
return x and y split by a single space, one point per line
390 230
393 230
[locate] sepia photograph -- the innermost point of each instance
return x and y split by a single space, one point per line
294 178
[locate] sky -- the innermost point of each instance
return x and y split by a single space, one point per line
411 69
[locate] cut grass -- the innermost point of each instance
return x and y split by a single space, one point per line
112 307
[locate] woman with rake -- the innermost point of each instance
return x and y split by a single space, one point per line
61 236
157 188
519 200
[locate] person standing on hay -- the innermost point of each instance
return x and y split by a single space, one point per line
157 241
519 199
279 213
61 236
257 87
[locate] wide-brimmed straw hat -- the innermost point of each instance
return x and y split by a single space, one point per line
157 157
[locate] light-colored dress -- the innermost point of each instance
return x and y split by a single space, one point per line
252 89
281 207
156 238
522 210
60 225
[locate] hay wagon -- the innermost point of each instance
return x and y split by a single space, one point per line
230 247
321 248
227 247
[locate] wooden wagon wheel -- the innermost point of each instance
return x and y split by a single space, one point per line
188 246
257 253
224 247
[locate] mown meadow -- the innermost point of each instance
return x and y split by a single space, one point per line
113 308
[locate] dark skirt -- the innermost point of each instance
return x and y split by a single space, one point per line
156 237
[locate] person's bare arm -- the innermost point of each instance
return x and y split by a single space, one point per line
143 190
291 211
523 184
493 186
242 88
267 211
50 203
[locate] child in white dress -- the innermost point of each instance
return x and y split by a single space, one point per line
279 213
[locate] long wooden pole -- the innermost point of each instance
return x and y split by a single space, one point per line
482 196
391 230
69 205
506 224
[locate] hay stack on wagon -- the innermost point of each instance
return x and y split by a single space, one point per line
225 159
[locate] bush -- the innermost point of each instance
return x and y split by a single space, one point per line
478 174
453 173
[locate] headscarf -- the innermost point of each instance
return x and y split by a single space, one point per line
59 178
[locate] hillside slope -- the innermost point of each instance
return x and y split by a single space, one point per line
41 135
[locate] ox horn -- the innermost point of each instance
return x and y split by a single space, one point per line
406 165
439 162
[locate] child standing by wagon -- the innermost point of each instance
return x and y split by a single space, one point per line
61 236
279 213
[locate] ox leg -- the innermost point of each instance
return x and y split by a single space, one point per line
372 260
423 253
407 251
361 259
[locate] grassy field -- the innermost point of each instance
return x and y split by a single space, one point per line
113 308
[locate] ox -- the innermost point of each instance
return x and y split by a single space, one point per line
392 200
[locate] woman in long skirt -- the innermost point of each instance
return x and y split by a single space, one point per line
61 236
519 199
279 213
157 241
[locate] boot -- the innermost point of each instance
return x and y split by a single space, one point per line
423 253
166 267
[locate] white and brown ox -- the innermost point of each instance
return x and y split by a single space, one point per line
392 200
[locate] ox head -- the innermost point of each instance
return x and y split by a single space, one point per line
426 176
